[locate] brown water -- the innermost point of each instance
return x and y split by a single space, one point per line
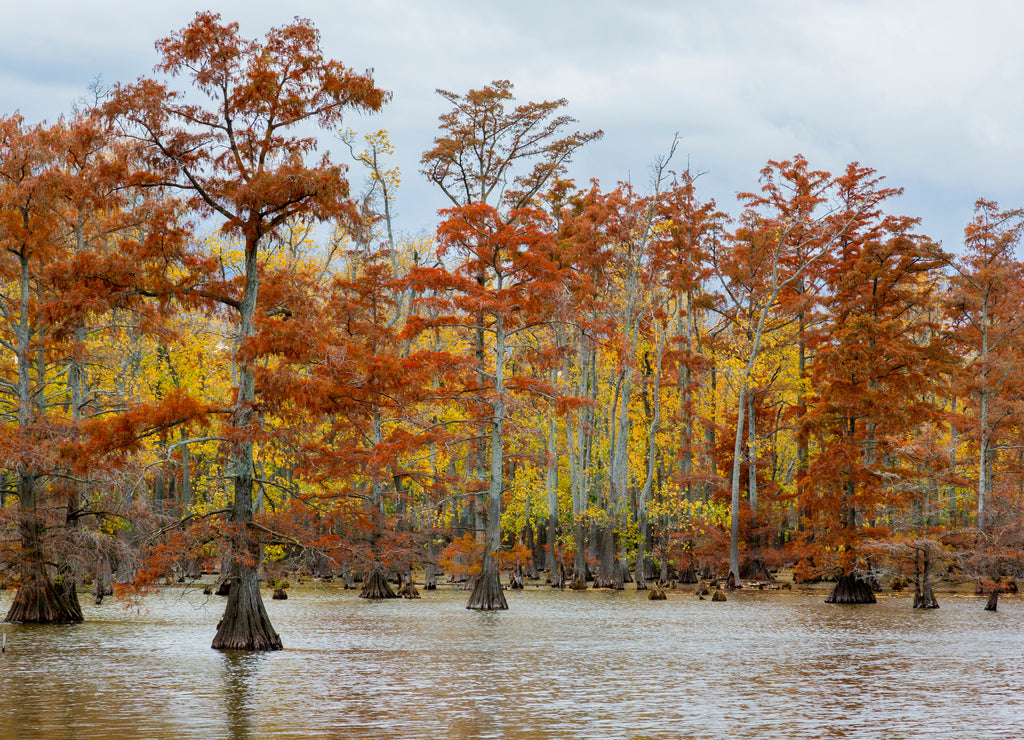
556 665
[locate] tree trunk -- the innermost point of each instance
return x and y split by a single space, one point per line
851 589
983 445
734 500
487 593
608 573
430 574
551 563
376 586
641 551
751 458
993 601
924 598
579 561
245 624
38 600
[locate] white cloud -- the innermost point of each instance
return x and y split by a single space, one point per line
925 91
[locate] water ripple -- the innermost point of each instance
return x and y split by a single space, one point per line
556 665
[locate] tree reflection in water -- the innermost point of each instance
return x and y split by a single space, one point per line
241 673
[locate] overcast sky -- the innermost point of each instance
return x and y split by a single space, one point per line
930 93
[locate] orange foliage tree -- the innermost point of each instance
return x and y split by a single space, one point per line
877 358
492 163
227 143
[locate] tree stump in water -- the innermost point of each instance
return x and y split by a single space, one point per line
487 594
850 589
656 593
377 587
719 595
516 582
924 598
408 589
704 588
43 602
993 602
279 594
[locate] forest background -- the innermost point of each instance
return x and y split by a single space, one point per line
596 383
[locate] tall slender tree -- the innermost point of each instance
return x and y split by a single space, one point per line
985 308
229 143
493 161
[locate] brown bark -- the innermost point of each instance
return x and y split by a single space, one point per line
608 574
993 601
487 594
38 600
377 586
924 597
408 589
850 589
41 601
245 624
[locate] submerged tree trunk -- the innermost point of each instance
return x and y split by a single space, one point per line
924 597
38 600
487 593
430 574
376 586
551 561
245 624
755 569
641 551
993 601
851 589
579 561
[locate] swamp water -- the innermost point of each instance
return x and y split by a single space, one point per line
595 664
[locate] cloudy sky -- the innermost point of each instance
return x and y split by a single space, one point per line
930 93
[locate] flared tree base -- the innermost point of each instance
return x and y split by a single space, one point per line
44 602
924 598
612 584
377 587
656 593
755 569
408 589
245 625
487 594
850 589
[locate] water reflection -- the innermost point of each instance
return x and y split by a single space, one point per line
240 681
556 665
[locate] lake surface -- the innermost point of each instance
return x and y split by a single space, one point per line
595 664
